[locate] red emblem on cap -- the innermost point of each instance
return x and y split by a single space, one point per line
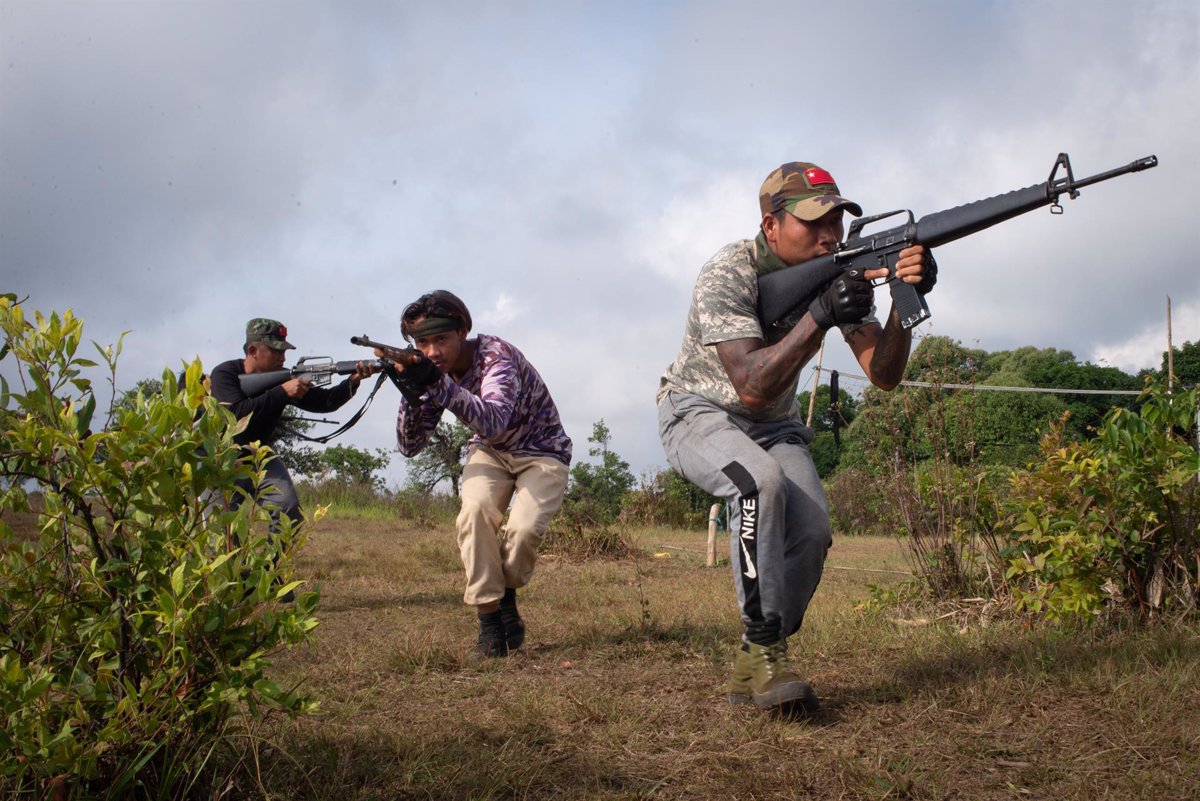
816 177
283 332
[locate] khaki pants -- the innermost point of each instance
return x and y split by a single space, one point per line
535 486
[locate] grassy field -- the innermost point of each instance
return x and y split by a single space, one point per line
619 691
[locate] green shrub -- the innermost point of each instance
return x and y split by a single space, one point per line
137 617
1117 517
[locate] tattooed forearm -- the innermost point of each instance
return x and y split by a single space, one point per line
761 373
891 354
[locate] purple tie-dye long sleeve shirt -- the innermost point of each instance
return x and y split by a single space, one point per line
501 399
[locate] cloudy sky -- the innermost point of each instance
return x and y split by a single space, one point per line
175 168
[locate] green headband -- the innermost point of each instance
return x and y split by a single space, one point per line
428 326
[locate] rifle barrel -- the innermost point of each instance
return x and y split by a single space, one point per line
1134 166
366 343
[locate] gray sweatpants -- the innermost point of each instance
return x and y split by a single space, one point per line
779 529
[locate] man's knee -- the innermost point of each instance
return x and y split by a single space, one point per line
476 512
762 477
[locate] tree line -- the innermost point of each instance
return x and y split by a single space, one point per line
988 426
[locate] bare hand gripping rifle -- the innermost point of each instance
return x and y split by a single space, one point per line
317 370
785 291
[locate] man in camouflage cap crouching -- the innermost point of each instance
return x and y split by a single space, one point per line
265 350
730 423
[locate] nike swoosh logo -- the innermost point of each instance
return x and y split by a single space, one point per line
751 571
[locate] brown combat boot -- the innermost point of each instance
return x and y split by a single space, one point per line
761 676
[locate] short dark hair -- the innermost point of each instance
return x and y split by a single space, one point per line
438 303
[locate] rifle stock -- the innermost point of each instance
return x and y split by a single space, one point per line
785 291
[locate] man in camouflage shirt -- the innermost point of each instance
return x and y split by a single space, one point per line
729 420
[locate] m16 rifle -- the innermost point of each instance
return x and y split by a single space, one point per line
317 370
785 291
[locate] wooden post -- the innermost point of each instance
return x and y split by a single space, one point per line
713 512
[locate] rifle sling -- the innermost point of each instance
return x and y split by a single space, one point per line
347 425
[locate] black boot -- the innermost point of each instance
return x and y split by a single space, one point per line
491 641
514 627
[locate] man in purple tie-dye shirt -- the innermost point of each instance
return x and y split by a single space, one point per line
519 452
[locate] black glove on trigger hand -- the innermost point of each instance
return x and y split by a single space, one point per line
423 372
847 300
403 383
413 380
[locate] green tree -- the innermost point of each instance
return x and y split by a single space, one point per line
602 486
354 465
128 399
136 615
1052 368
1186 363
442 459
996 426
289 444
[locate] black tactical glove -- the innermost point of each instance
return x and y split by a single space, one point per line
928 275
847 300
422 372
415 377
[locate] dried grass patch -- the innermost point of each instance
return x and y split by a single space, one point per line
619 691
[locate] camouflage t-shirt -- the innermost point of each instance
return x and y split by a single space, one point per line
725 307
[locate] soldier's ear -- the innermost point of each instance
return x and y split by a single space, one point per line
769 225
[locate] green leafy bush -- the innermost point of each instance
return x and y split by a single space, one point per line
1117 517
137 615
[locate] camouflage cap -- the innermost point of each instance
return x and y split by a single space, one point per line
271 333
805 190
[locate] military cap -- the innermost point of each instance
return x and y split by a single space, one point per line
271 333
805 190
